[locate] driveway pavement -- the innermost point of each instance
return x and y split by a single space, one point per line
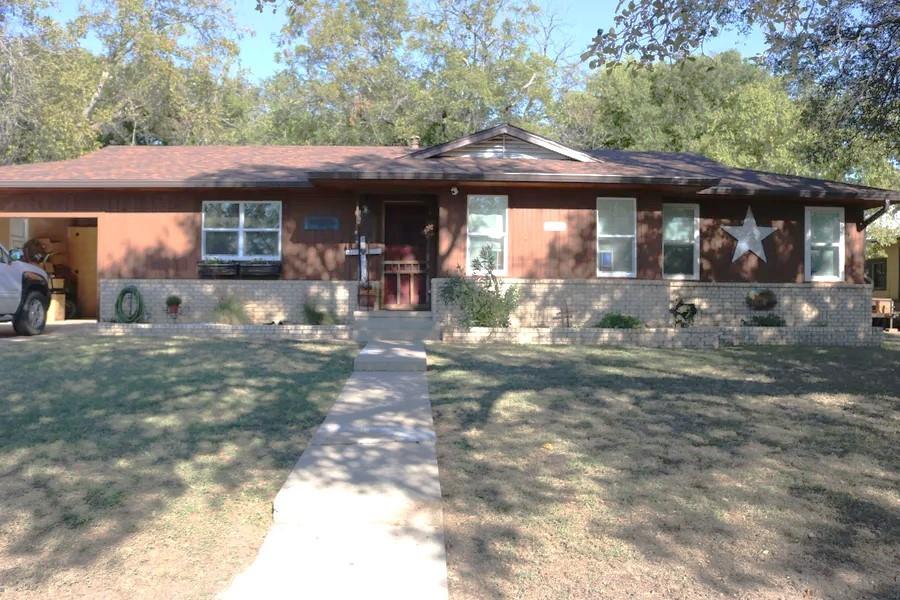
74 327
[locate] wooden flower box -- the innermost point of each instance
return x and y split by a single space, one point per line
217 270
260 270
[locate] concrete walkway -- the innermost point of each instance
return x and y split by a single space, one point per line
360 514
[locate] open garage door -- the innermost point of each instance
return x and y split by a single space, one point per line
67 249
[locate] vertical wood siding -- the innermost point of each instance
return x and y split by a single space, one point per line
156 234
151 233
536 253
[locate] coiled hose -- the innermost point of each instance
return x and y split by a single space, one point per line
135 305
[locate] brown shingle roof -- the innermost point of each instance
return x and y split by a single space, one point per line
734 181
289 166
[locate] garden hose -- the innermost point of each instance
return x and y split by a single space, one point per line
135 305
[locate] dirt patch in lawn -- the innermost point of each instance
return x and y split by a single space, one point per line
146 468
633 473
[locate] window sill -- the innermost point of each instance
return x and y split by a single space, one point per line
824 279
682 277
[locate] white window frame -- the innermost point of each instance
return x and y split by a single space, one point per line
240 230
501 269
807 245
633 236
696 274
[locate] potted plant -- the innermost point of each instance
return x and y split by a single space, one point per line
173 303
216 268
762 299
260 269
367 298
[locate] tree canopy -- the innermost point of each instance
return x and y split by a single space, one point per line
161 75
842 56
381 71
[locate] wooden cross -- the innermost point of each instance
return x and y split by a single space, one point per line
362 251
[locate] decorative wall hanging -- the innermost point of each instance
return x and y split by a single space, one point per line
749 237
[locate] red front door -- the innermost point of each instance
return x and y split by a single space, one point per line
405 255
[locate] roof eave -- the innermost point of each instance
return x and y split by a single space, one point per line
868 196
698 182
152 184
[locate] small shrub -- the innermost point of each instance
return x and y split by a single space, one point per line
619 321
769 320
173 300
230 311
313 316
762 299
481 301
683 312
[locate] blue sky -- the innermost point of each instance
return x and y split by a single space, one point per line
580 19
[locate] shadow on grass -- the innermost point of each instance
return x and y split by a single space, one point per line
101 436
759 471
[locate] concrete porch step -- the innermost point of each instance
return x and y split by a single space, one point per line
397 335
365 315
393 325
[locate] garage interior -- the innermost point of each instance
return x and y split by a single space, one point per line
67 249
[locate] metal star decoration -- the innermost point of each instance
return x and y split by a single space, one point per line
749 237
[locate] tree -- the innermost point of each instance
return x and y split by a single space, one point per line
154 57
349 74
163 75
844 55
363 72
883 233
723 107
487 61
43 72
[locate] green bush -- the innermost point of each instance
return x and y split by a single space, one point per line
619 321
313 316
230 311
481 301
768 320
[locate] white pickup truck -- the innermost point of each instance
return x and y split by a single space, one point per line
24 293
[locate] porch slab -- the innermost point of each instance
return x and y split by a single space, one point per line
399 356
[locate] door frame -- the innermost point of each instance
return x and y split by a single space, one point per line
428 204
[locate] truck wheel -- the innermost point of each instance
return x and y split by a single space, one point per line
32 316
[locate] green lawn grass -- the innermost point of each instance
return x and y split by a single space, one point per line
577 472
141 468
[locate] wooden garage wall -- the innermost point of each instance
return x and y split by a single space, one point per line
156 234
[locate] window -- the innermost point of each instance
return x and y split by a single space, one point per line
681 241
487 227
824 257
876 273
616 225
321 224
242 230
